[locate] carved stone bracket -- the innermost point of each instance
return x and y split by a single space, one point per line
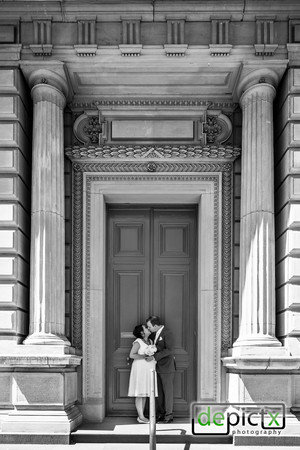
86 50
175 49
220 49
41 49
265 49
130 50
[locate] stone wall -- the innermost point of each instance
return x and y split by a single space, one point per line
15 163
287 201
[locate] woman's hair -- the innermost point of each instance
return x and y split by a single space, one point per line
137 332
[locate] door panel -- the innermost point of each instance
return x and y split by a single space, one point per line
128 274
175 293
151 270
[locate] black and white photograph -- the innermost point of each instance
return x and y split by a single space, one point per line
149 224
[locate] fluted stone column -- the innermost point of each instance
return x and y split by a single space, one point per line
47 259
257 238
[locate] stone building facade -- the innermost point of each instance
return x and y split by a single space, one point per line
148 164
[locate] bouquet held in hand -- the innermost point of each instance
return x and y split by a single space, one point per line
150 350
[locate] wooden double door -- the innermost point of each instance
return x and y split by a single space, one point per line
151 269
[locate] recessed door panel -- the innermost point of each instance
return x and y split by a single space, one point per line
151 269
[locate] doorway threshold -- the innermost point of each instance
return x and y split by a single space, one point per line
127 430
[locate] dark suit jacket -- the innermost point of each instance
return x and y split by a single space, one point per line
164 355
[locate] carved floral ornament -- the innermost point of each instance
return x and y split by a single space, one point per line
212 128
92 129
87 128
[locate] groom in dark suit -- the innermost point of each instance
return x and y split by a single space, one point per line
165 368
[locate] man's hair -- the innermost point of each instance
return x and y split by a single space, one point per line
155 320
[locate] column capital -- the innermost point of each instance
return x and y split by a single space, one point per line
261 91
48 92
46 73
259 72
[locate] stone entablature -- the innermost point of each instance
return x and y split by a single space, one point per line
196 23
89 26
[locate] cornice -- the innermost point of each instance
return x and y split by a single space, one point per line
111 9
157 152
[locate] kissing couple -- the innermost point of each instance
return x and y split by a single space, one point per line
152 349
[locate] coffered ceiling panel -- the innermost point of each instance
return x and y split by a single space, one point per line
160 77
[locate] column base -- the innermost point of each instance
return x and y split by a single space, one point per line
292 343
39 421
46 339
262 351
264 386
289 436
257 340
258 385
38 395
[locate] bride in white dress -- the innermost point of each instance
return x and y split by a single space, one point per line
141 369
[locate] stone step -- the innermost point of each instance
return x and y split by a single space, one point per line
127 430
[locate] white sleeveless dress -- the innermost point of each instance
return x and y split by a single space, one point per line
140 375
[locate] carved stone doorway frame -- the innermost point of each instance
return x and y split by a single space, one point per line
95 185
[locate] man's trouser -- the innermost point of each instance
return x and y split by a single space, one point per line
165 384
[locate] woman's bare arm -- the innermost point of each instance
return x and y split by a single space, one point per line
134 352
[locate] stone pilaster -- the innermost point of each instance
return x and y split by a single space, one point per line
47 274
